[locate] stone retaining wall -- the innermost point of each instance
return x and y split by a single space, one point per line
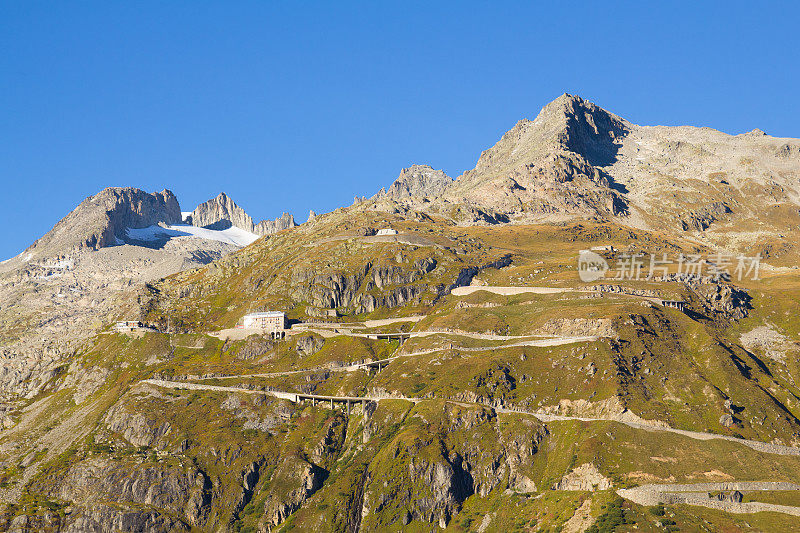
688 494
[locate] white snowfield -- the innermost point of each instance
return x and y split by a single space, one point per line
232 235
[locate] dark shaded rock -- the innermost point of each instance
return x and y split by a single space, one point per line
702 219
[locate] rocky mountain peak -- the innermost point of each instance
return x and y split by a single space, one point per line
575 159
220 209
548 167
222 212
101 220
419 181
569 124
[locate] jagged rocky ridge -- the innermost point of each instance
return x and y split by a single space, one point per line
222 212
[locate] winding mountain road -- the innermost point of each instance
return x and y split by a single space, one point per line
552 341
764 447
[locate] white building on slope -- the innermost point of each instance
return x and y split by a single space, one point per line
272 322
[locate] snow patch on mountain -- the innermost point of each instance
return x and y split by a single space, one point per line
232 235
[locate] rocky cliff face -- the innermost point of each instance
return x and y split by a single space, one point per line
101 220
365 289
110 493
459 453
222 212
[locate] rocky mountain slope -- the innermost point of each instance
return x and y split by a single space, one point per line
550 166
454 430
101 220
577 160
456 375
62 288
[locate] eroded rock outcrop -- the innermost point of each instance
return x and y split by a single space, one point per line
585 477
136 427
309 345
307 479
701 219
365 289
300 477
726 301
183 492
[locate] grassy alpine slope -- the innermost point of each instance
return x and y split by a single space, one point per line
100 449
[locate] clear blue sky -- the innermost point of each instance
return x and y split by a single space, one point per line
291 106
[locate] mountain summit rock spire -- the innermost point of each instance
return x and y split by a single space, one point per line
223 211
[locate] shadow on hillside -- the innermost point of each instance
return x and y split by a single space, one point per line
220 225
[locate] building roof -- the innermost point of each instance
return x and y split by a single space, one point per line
265 314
